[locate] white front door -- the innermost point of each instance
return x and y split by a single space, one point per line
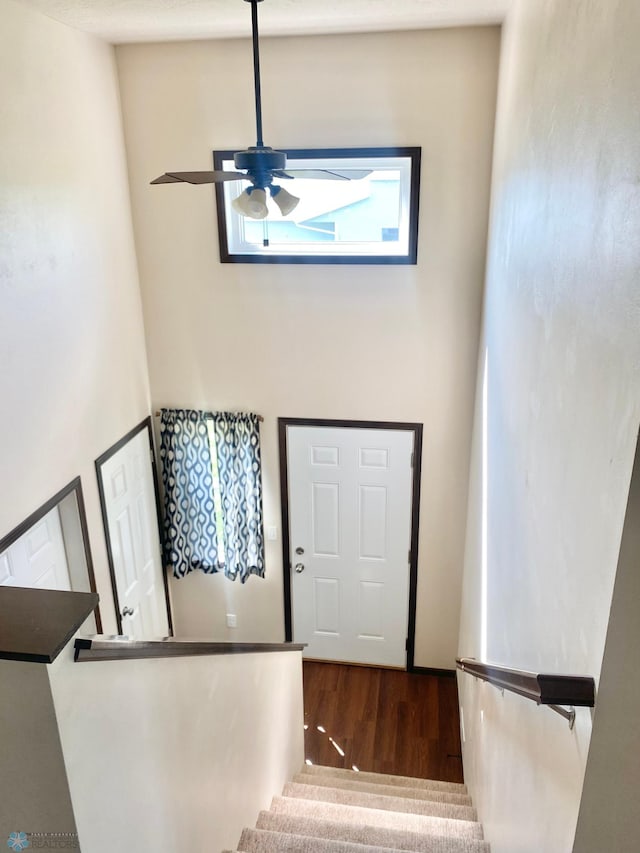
38 559
130 506
350 500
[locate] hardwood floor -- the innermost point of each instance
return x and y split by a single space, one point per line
383 720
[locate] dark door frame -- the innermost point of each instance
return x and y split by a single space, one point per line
145 424
416 429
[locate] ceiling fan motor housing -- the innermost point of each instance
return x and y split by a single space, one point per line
260 163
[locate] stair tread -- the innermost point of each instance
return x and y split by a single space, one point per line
348 784
384 778
263 841
378 817
419 842
378 801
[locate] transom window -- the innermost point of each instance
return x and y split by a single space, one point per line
372 219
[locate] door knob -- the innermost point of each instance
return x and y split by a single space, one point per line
299 567
127 611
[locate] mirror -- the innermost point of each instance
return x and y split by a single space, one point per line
50 549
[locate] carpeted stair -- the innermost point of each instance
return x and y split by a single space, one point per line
327 810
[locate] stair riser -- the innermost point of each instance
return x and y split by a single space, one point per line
260 841
387 790
357 834
374 817
375 801
401 781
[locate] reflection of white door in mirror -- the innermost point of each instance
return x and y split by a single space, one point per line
50 549
37 558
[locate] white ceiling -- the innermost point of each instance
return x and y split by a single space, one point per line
164 20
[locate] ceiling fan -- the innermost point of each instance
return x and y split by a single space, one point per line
260 163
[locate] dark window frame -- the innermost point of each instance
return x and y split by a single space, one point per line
410 258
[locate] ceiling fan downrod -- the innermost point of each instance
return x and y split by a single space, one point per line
256 70
261 161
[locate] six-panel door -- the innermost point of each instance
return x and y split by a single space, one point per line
350 493
127 481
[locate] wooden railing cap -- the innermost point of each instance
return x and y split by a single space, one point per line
542 688
105 647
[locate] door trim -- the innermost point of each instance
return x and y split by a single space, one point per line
145 424
398 426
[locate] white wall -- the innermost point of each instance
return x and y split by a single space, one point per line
557 420
73 374
176 754
334 342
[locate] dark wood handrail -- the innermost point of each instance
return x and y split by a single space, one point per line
542 688
121 648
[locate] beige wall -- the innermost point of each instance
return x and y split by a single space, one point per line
73 375
176 754
562 402
609 817
34 795
335 342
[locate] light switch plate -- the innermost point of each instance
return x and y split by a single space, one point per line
272 533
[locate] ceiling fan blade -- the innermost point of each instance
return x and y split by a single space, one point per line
328 174
199 177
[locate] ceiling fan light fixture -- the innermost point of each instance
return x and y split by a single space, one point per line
260 163
251 202
284 199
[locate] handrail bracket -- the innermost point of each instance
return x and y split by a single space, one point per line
569 714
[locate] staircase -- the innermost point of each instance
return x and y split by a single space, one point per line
329 810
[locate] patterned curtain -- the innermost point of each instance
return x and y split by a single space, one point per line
239 468
190 540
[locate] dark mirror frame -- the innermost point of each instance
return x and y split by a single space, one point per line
72 488
324 154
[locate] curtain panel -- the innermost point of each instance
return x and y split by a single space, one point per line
190 538
191 506
240 472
